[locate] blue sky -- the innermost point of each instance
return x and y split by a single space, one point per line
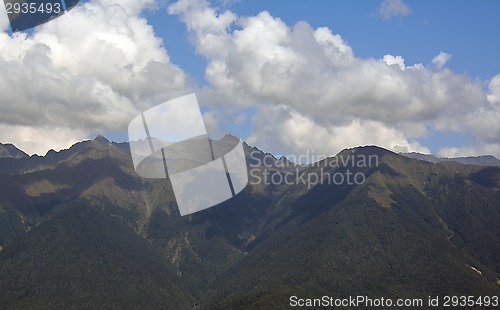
307 75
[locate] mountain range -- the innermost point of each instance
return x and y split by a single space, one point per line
486 160
80 229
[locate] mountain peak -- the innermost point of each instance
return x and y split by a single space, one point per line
101 138
366 150
11 151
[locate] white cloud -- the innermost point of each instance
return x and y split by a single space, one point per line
440 60
40 139
266 63
315 71
4 20
494 86
308 87
395 60
211 122
132 7
91 70
297 134
393 8
481 121
210 26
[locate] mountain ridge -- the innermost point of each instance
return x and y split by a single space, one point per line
9 150
411 226
482 160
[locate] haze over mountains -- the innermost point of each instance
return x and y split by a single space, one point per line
79 228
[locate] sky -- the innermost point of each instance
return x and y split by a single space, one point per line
289 77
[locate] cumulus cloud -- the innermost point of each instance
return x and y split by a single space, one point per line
393 8
210 26
89 71
296 133
440 60
494 86
96 67
482 122
260 61
395 60
316 71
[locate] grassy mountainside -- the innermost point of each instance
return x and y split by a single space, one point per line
80 229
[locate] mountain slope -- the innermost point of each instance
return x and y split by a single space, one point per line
422 243
10 151
81 256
